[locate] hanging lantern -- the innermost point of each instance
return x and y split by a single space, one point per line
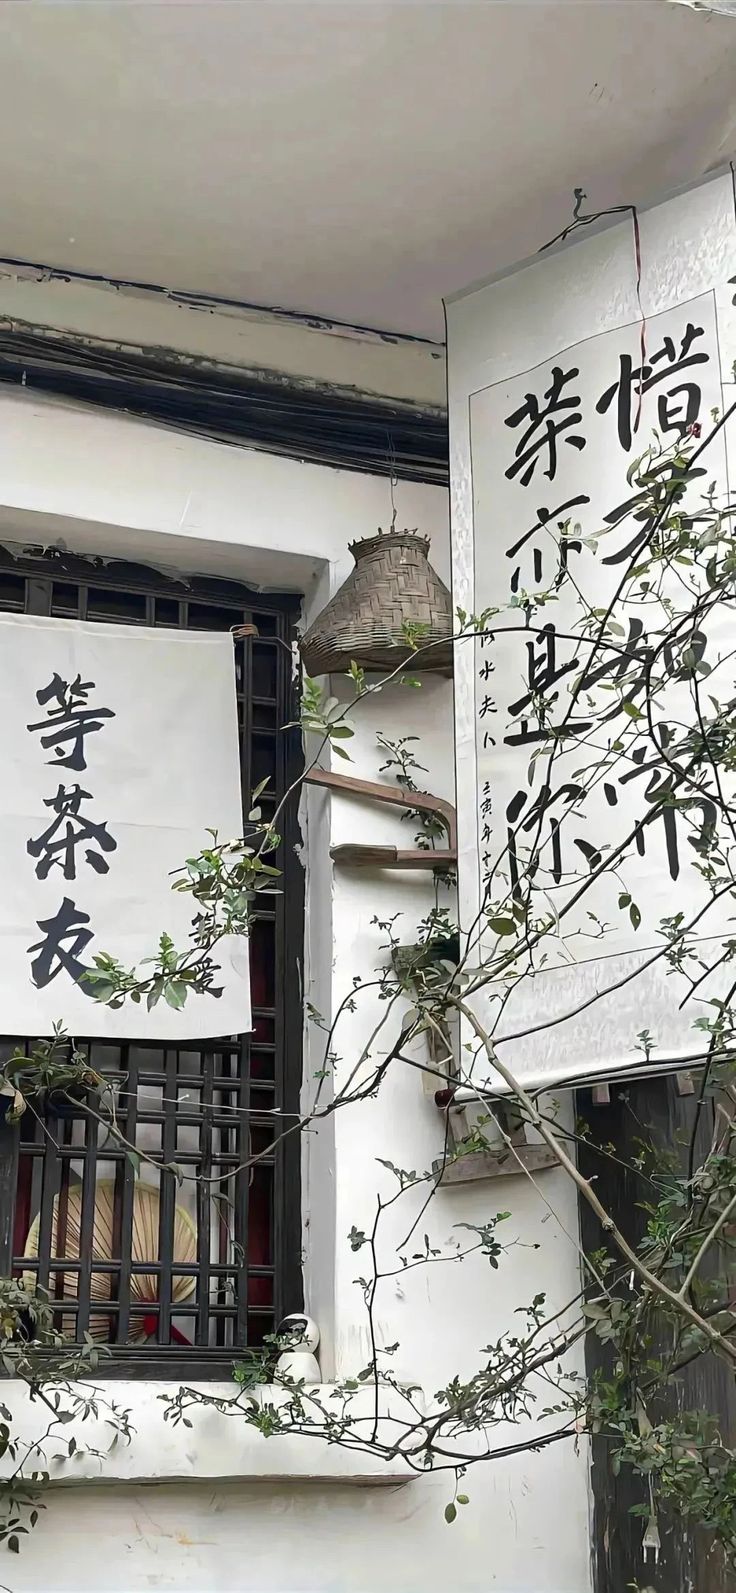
393 587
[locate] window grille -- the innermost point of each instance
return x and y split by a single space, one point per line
175 1271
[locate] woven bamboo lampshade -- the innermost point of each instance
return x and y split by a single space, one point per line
393 582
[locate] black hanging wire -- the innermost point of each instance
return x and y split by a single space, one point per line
316 424
579 221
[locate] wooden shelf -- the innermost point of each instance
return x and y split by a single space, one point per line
503 1163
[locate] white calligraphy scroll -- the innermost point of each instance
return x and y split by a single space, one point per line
119 752
547 413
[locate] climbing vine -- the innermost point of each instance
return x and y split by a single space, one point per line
656 1304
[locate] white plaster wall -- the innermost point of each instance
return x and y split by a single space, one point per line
105 482
278 1538
125 488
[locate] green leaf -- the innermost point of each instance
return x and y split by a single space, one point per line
100 988
175 994
13 1545
634 915
502 926
462 1498
135 1163
631 709
450 1513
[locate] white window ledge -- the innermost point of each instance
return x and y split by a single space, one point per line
217 1447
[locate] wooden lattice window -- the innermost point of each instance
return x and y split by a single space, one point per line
176 1273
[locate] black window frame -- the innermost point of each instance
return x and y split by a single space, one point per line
33 572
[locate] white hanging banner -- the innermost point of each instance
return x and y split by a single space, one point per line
120 752
560 374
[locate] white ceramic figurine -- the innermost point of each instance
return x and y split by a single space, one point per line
298 1359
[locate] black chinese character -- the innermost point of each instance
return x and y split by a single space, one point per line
539 818
53 955
660 791
627 665
544 429
67 831
678 407
638 508
70 721
537 572
543 672
566 544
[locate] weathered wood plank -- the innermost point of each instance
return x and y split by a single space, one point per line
503 1163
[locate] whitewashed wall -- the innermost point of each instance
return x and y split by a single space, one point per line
120 487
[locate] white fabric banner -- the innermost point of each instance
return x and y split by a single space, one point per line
561 373
120 751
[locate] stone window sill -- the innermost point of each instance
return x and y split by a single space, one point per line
217 1447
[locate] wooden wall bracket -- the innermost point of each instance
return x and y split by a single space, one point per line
361 856
501 1163
513 1156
